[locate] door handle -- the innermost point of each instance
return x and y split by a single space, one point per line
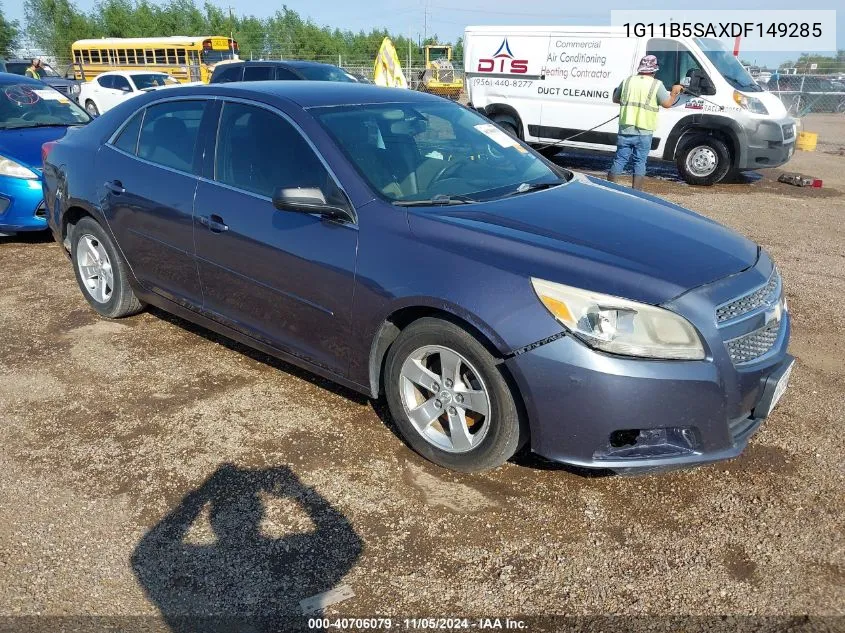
214 222
115 186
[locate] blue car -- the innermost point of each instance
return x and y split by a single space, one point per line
400 244
31 114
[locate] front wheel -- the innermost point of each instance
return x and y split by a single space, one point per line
101 273
91 108
449 399
703 160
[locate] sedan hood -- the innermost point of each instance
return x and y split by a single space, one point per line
24 145
596 235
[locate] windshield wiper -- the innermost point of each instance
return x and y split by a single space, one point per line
527 187
441 199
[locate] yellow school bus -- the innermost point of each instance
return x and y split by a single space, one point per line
187 59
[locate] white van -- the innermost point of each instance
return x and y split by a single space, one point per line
546 84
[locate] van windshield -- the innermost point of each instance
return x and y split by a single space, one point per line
728 65
433 153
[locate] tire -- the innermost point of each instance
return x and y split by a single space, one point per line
550 152
105 282
487 440
91 108
507 124
703 160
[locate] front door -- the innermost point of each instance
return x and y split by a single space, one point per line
148 181
283 277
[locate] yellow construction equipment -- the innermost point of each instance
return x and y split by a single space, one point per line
440 76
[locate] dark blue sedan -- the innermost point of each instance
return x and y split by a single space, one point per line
31 114
400 244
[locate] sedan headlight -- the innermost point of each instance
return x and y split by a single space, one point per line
13 169
752 104
620 326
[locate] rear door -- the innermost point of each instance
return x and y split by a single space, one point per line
149 177
282 277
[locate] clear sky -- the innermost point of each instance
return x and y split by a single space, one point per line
447 18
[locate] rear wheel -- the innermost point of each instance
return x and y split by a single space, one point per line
703 160
91 108
449 399
101 273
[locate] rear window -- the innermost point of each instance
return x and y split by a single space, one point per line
16 68
258 73
169 134
227 74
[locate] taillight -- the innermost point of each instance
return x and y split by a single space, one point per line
46 149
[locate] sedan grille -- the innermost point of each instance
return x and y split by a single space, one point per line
763 296
753 345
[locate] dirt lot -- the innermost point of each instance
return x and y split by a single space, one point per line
150 467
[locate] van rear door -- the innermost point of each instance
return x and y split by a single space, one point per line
581 71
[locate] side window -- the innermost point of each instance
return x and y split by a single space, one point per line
121 83
258 73
259 151
228 73
169 134
121 56
106 81
127 140
95 57
666 52
139 56
686 64
284 74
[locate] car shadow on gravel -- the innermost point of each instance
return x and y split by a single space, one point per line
236 578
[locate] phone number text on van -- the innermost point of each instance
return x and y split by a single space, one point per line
506 83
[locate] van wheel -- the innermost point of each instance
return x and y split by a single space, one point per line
91 108
703 160
449 399
101 273
507 124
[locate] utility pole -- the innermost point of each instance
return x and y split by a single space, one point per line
231 29
425 21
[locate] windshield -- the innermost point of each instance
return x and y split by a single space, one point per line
212 57
324 73
152 80
728 65
435 152
25 105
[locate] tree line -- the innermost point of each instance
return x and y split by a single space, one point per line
51 26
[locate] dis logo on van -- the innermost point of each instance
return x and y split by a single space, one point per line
503 61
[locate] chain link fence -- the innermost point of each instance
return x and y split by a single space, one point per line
806 94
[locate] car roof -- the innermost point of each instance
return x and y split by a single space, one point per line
292 63
11 78
133 72
310 94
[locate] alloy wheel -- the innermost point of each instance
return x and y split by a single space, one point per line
445 398
95 268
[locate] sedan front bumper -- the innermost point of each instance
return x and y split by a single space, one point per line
20 205
591 409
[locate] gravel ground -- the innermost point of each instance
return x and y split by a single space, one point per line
149 467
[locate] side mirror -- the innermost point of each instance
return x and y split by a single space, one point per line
309 200
700 83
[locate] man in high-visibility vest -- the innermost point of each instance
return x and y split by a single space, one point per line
640 96
34 69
